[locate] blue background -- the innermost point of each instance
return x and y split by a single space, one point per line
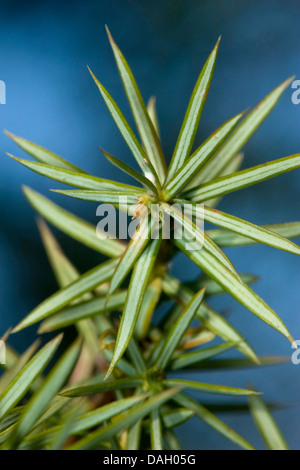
51 100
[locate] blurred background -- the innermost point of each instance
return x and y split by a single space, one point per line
51 100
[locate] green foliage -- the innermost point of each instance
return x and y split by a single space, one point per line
119 385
